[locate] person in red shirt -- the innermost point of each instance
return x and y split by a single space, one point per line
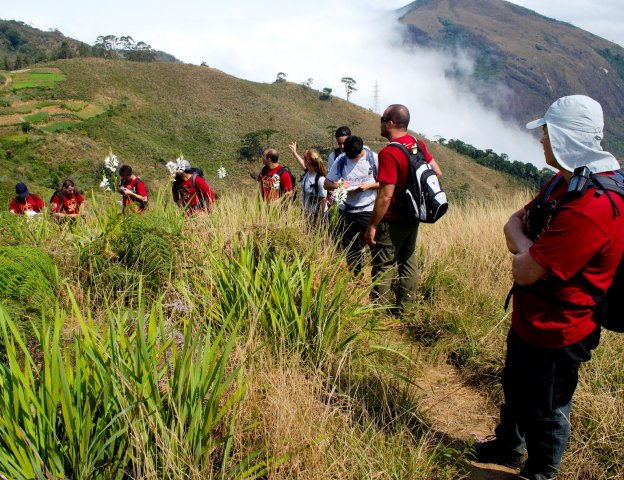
25 202
567 244
190 190
132 189
275 180
392 239
66 202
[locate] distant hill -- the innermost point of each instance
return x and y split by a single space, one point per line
524 61
22 45
59 121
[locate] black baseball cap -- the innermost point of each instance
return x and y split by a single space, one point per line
22 190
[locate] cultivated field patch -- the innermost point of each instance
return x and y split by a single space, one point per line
19 109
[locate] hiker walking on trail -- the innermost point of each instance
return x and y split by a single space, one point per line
66 203
393 239
132 189
190 191
353 178
313 193
341 135
275 180
567 244
25 203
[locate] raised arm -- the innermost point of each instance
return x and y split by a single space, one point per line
293 149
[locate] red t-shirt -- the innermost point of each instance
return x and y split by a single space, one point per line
69 205
31 203
581 248
185 195
269 188
393 168
137 186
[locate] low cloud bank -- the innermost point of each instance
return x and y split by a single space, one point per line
331 40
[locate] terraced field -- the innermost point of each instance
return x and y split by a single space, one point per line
28 104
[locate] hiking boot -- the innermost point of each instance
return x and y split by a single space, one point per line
493 452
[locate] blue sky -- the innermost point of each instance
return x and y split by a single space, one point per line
324 40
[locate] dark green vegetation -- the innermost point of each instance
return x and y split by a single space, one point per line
524 61
22 45
149 113
533 177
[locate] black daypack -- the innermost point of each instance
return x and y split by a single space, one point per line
608 311
61 197
135 191
422 200
195 172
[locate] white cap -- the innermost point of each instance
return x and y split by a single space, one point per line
183 166
575 126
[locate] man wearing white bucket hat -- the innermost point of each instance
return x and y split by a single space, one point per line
567 244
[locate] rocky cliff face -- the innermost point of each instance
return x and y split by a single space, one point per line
523 61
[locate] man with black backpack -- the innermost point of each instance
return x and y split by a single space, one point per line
132 189
190 191
391 235
567 244
66 203
275 180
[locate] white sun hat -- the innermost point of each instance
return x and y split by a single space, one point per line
575 125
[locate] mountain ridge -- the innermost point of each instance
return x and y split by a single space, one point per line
523 60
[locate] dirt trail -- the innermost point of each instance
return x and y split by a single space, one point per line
459 413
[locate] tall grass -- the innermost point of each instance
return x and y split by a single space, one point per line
124 400
465 279
244 348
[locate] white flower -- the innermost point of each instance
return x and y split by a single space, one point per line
110 162
172 167
221 173
341 193
105 184
276 182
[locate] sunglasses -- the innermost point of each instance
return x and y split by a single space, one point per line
384 120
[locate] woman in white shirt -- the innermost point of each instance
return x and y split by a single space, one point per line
313 193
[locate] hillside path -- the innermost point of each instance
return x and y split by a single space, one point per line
459 413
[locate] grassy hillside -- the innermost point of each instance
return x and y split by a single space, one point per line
523 60
149 113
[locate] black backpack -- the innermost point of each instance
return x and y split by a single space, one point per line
608 311
422 199
314 196
195 172
61 197
134 190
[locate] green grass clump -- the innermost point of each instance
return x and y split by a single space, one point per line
14 140
28 279
123 400
37 117
128 249
39 80
59 126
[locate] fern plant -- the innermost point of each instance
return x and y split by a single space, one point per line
28 278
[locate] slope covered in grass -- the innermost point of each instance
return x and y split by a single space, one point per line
150 113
